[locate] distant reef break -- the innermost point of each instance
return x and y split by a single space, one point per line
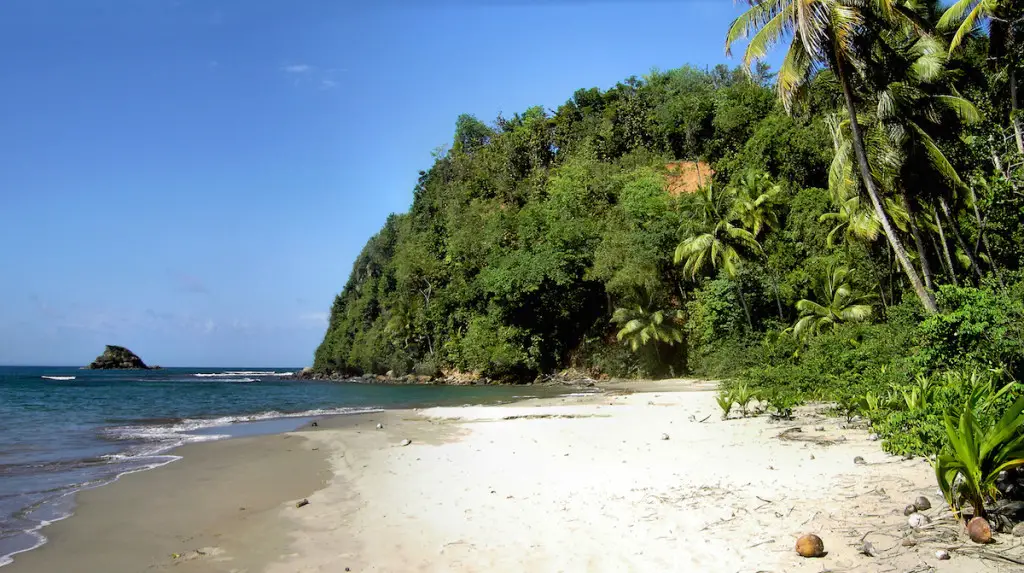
118 358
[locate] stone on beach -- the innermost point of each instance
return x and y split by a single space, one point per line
859 461
405 442
919 520
922 503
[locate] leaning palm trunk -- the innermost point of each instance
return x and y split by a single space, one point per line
869 183
983 239
945 247
959 238
1014 117
915 231
743 302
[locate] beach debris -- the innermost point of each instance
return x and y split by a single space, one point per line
910 510
664 436
380 426
919 520
922 503
810 545
302 503
942 555
406 442
979 530
869 549
859 461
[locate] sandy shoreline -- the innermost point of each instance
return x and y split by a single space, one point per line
583 483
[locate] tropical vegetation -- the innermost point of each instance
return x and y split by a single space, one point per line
848 228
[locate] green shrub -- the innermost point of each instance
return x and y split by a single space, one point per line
979 448
977 327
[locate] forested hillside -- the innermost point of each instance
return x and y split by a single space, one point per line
556 238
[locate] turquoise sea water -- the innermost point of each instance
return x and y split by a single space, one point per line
63 429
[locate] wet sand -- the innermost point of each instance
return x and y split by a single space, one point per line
225 496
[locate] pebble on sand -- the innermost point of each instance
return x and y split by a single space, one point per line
664 436
810 545
922 503
380 426
859 461
918 520
942 555
406 442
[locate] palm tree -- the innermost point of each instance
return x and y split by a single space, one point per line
641 327
721 245
839 304
1003 18
756 209
829 34
907 110
755 205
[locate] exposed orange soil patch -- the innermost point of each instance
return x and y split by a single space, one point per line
687 176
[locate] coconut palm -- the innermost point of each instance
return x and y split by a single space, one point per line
721 246
1004 20
838 303
757 210
755 205
640 327
907 114
826 34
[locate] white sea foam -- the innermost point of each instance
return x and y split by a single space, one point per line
57 377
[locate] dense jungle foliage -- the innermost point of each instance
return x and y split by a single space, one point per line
860 241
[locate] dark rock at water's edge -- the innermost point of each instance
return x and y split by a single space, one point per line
118 358
445 379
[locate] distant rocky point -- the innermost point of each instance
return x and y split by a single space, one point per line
118 358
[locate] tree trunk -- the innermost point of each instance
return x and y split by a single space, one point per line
959 238
982 239
1014 118
945 247
922 254
778 299
743 303
876 199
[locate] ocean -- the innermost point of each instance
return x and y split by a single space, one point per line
64 429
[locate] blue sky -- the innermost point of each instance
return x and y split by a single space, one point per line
194 178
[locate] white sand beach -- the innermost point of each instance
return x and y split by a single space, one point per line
580 483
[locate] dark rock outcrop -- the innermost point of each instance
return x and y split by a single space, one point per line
118 358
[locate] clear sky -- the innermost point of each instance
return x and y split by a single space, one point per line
193 179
